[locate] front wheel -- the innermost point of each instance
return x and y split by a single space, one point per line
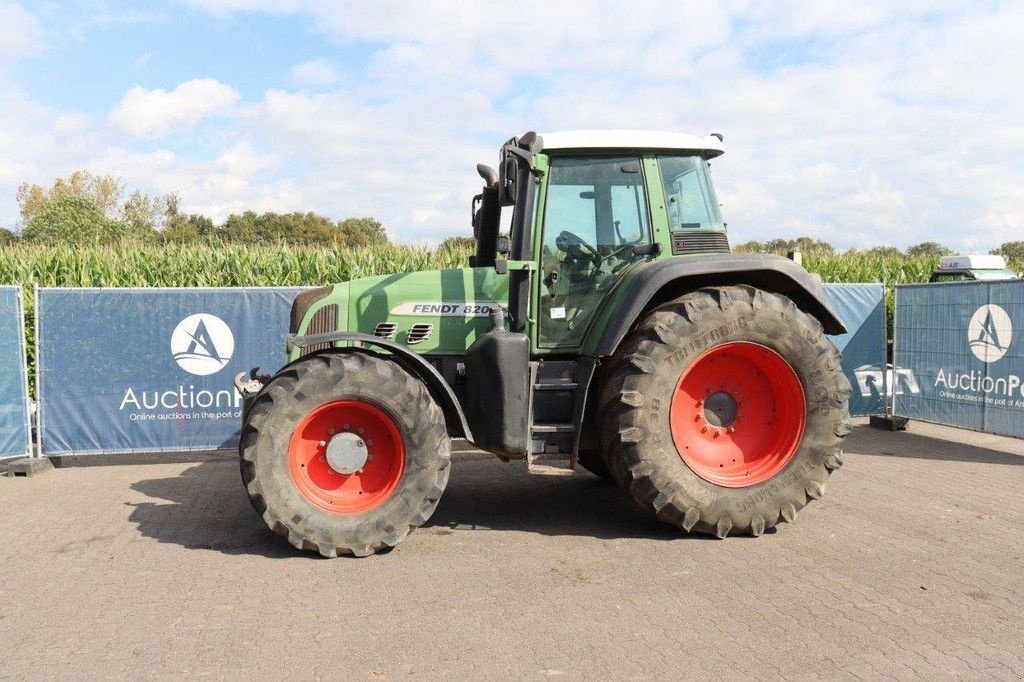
344 453
725 410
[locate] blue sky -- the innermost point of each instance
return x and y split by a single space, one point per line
867 123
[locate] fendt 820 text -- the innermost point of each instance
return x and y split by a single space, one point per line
602 322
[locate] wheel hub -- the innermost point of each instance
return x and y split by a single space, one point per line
346 453
720 409
738 414
346 456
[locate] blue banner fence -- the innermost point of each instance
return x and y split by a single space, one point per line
150 370
15 409
958 351
861 307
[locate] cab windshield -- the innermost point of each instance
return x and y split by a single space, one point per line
691 199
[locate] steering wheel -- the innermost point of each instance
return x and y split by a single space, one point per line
568 243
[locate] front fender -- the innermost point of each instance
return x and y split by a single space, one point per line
413 362
661 280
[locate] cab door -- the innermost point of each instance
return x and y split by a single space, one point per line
595 212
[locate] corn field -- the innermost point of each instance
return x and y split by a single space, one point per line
233 265
229 265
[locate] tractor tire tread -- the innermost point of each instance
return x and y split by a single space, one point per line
427 447
629 397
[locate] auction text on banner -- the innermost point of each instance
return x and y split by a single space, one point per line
961 345
148 370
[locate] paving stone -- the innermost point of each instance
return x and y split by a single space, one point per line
910 566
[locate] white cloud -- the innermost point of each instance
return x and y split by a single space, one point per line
315 73
20 34
152 113
877 123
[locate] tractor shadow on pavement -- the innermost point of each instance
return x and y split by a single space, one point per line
205 507
485 494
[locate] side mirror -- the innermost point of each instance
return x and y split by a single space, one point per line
507 174
508 168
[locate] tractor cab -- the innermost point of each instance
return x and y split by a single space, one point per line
586 206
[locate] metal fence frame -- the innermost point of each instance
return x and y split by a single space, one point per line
23 355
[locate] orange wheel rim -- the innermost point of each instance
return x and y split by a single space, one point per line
738 414
347 492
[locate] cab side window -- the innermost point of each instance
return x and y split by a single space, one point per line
691 200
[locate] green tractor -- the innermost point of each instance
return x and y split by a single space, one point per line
602 322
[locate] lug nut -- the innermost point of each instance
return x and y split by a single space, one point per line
369 443
331 431
346 427
360 430
322 443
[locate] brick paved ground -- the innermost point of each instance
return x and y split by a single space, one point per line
911 566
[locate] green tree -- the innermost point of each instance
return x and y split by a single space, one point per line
73 219
362 232
103 191
784 246
1013 252
753 246
188 228
301 228
144 215
928 250
457 244
884 251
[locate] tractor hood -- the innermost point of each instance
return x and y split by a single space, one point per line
430 311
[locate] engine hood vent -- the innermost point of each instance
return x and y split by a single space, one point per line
699 241
385 330
418 333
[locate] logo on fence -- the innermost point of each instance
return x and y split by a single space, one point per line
989 333
202 344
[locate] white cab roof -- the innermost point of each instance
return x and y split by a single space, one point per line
709 145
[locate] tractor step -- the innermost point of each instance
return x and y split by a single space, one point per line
550 464
547 459
553 428
556 386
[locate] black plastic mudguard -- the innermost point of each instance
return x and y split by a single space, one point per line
664 279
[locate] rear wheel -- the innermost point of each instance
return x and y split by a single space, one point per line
725 410
344 453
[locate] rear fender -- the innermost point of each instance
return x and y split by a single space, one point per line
665 279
